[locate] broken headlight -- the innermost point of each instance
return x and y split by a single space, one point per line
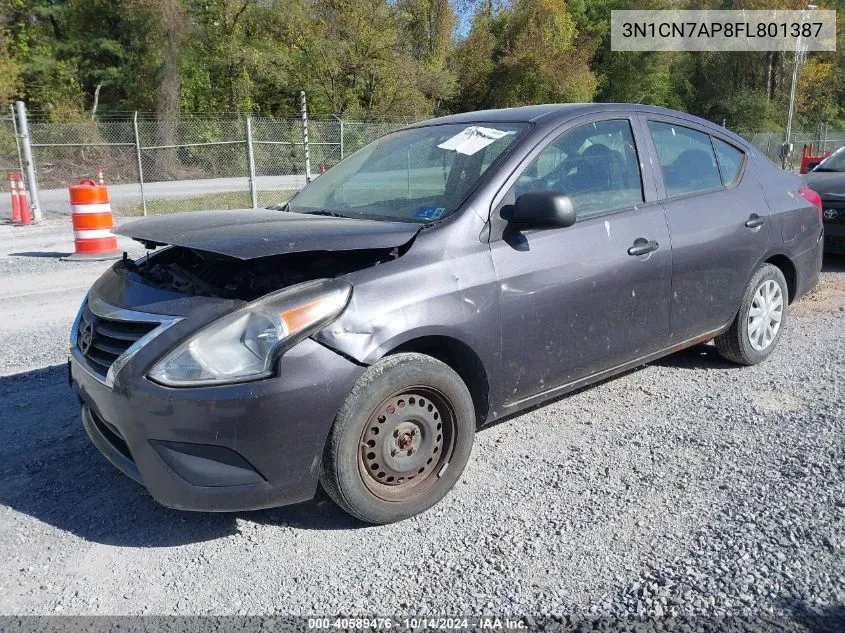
245 344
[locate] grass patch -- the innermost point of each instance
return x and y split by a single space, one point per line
218 200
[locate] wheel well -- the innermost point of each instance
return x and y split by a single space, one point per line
460 357
788 269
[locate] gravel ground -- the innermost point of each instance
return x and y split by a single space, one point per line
688 488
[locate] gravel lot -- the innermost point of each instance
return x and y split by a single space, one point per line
688 487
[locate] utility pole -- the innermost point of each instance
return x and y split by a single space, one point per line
29 163
786 148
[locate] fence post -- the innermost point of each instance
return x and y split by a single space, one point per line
250 157
340 122
17 138
304 108
29 164
140 165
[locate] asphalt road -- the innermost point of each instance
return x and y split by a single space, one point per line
55 201
688 488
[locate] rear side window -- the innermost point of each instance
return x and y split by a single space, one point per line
686 159
730 161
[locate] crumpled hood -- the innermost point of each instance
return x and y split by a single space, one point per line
253 233
828 184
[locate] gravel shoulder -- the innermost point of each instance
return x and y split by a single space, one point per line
688 487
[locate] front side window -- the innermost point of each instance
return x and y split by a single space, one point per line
730 161
415 175
686 159
595 164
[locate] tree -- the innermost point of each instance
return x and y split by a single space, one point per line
385 58
349 55
426 28
474 62
536 52
10 79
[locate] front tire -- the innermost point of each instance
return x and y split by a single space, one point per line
400 440
761 319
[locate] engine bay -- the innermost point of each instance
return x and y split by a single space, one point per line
201 273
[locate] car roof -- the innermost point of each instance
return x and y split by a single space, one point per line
550 114
524 114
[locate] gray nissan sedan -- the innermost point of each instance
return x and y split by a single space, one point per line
448 274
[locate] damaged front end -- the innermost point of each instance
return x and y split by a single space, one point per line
239 307
247 253
240 315
192 369
198 273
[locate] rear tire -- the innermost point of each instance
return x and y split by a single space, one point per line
400 440
761 319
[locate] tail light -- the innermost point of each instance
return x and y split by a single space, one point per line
812 197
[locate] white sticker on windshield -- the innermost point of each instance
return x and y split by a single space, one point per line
473 139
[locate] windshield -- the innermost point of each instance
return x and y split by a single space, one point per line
416 175
834 162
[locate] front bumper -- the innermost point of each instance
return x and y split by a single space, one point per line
223 448
834 238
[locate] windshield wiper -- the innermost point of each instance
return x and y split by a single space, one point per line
285 206
330 214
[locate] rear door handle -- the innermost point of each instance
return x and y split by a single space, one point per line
643 246
755 221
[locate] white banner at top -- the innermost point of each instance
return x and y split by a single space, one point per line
728 30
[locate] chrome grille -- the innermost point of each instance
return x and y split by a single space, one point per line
102 340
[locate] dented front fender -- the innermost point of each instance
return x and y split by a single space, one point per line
443 286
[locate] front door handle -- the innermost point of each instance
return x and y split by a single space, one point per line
643 246
755 221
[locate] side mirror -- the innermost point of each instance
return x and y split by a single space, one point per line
541 209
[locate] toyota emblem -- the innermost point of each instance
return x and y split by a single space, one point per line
86 337
830 214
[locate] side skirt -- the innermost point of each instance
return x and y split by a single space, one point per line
555 392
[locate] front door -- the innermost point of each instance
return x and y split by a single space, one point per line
579 300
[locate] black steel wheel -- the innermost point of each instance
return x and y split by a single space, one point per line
401 439
407 441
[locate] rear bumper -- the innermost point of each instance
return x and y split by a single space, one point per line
236 447
808 266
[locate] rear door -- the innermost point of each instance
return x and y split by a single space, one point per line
718 220
579 300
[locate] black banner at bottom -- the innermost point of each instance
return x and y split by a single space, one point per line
822 620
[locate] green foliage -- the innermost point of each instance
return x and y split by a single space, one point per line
383 58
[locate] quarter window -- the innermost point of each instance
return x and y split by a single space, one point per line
686 159
595 164
730 161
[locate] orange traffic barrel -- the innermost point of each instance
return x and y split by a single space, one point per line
92 222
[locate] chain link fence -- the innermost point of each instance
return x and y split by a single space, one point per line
162 166
9 156
769 143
